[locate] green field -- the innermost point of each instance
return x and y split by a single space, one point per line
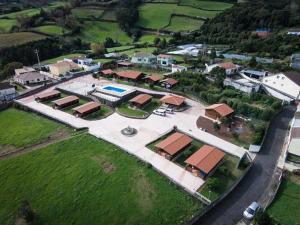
179 23
85 180
285 208
130 52
157 16
6 25
87 13
120 48
20 129
207 5
99 31
149 38
109 15
8 40
54 60
50 29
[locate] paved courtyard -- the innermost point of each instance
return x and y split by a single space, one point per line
148 129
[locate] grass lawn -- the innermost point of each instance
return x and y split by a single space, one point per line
109 15
225 180
208 5
130 52
54 60
157 16
85 180
120 48
149 38
87 13
126 110
6 25
179 23
51 30
7 40
20 129
285 207
99 31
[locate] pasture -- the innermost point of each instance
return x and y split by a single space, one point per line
54 60
149 38
11 39
179 23
109 15
84 180
207 5
87 13
157 16
6 25
53 30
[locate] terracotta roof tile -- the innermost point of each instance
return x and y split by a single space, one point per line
86 107
66 100
221 108
131 74
47 94
172 100
227 65
107 72
154 78
141 98
170 81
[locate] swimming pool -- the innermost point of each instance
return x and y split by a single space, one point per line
115 89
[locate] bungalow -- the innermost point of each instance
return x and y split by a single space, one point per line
153 79
7 91
229 67
47 95
140 100
33 77
204 161
173 145
174 101
218 111
63 67
107 73
178 68
23 70
295 31
86 109
165 60
65 102
168 83
129 75
143 58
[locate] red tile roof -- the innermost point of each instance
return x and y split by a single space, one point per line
172 100
66 100
47 94
174 143
170 81
86 107
206 158
141 98
222 109
131 74
227 65
154 78
107 72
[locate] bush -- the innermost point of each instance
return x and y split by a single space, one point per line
25 212
215 184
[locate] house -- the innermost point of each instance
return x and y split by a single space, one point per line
284 86
7 91
165 60
168 83
173 145
229 67
253 74
143 58
34 77
295 61
218 111
23 70
295 31
87 64
47 95
65 102
153 79
174 101
178 68
243 85
62 68
262 33
129 75
140 100
204 161
86 109
107 73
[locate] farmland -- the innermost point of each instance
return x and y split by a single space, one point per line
84 180
6 25
207 5
7 40
179 23
87 13
50 29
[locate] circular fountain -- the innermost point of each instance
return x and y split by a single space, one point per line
129 131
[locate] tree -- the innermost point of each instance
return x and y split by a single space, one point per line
219 74
213 54
156 41
263 218
98 49
9 69
162 44
253 62
216 126
25 212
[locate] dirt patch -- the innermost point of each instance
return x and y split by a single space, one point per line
104 163
4 149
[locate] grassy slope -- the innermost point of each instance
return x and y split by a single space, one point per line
285 207
150 38
157 15
184 24
209 5
99 31
87 181
6 24
7 40
84 13
21 129
50 29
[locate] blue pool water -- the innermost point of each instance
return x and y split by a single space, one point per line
115 89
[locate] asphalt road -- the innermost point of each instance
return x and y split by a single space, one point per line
230 210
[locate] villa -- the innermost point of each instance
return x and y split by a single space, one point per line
229 67
87 64
143 58
165 60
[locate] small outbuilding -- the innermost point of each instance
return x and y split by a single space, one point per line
173 145
65 102
174 101
140 100
204 161
86 109
129 75
218 111
169 83
153 79
107 73
47 96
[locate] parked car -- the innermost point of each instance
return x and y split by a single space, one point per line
251 210
160 112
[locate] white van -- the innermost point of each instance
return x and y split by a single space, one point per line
160 112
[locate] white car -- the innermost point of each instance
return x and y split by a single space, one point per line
251 210
160 112
167 110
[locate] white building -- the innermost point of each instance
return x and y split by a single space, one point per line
253 74
7 91
295 61
229 67
285 86
165 60
294 31
243 85
178 68
34 77
143 58
86 64
23 70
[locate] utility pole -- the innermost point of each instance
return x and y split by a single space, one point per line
38 58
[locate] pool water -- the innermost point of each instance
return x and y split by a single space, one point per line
115 89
